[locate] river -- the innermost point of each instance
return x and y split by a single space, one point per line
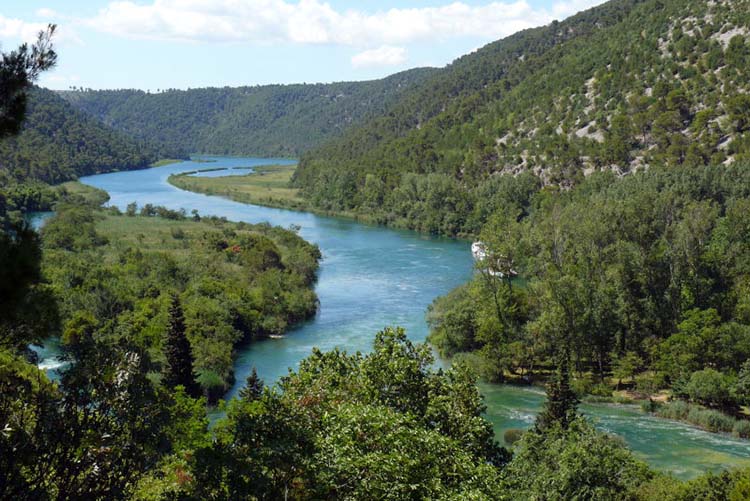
372 277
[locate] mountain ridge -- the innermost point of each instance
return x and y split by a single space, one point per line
263 120
621 86
59 143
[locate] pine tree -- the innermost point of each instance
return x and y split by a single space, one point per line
253 388
562 401
179 367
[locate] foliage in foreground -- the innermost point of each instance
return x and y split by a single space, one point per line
383 425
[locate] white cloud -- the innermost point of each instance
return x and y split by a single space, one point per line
45 12
16 29
316 22
386 55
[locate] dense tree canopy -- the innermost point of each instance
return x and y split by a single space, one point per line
237 282
625 85
269 120
644 279
58 143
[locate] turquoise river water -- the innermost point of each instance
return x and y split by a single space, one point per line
372 277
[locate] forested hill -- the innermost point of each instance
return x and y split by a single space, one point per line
627 84
59 143
270 120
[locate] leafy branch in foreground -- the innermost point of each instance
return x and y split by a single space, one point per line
18 70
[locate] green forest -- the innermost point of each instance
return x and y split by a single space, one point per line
620 87
58 143
645 280
116 274
269 120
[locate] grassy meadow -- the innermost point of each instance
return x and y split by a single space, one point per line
267 185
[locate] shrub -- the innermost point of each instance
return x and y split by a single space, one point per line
676 410
651 406
486 368
212 384
742 386
619 399
710 387
649 383
710 419
601 390
583 386
741 428
512 436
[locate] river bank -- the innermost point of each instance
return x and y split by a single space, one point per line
372 276
269 186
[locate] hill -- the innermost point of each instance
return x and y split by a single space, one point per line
59 143
270 120
622 86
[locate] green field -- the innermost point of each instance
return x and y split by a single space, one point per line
266 185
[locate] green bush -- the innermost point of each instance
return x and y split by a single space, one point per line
512 436
212 384
710 387
741 428
601 390
710 420
583 386
651 406
675 410
649 383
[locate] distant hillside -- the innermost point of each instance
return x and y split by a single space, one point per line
625 85
271 120
59 143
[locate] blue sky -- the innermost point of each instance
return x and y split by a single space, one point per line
158 44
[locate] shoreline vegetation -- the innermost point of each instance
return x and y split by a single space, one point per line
170 161
141 257
165 161
643 278
660 403
270 186
266 185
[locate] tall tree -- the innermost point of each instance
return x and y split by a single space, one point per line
179 366
18 70
253 388
19 245
561 404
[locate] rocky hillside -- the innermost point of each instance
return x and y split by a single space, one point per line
622 86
